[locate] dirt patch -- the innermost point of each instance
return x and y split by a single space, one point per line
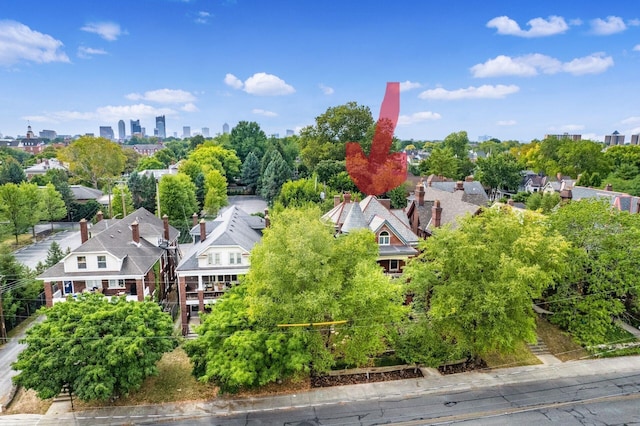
560 343
26 402
464 366
355 379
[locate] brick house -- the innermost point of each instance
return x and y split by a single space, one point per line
133 257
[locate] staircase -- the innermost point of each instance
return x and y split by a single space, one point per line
539 348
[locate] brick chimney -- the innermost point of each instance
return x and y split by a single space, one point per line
459 186
99 216
609 187
386 203
165 225
84 231
194 219
203 230
336 200
436 214
267 219
566 195
347 197
420 193
135 232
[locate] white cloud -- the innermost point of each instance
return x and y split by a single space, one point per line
631 120
530 65
575 22
633 22
263 84
593 64
539 27
109 31
611 25
189 107
636 48
264 113
233 81
483 92
506 122
103 114
163 96
202 17
326 89
418 117
88 52
20 43
409 85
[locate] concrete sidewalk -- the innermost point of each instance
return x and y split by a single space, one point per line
432 383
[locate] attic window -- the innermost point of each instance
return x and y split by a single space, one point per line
384 239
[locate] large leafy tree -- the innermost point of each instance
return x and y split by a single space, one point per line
11 171
576 157
299 274
604 268
93 160
499 172
475 284
458 142
251 172
143 191
275 175
326 140
247 137
178 200
441 162
51 205
210 156
121 201
98 347
216 192
17 204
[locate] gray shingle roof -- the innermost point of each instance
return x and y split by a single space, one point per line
473 192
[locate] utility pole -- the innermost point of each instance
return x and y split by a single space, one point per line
3 330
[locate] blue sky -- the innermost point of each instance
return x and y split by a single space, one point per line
507 69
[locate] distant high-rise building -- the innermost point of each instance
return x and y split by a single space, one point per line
175 134
634 139
614 139
48 134
205 132
289 132
122 134
136 129
106 132
225 128
574 138
161 127
186 131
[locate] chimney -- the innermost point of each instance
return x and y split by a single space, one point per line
84 231
469 179
459 186
203 230
347 197
566 195
267 220
510 202
436 214
135 232
609 187
420 193
99 216
336 200
386 203
165 224
194 219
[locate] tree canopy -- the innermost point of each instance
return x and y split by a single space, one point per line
93 160
98 347
247 137
17 204
499 172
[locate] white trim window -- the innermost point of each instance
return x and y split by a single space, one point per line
213 258
102 262
82 262
384 239
235 258
117 283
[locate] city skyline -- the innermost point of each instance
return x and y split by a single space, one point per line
507 70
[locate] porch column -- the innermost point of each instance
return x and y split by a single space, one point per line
201 300
182 294
152 281
48 293
140 290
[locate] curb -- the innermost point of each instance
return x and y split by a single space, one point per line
9 399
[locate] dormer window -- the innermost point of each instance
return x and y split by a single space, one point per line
82 262
102 262
384 239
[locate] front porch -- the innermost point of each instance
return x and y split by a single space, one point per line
134 290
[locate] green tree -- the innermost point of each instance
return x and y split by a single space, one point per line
300 192
441 162
94 160
20 289
131 160
143 191
251 172
99 348
178 201
459 144
623 154
398 196
476 283
543 201
54 254
11 172
150 163
326 140
16 206
121 201
275 175
576 157
216 192
209 155
247 137
604 268
499 172
299 273
51 205
196 141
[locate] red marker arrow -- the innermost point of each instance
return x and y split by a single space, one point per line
380 171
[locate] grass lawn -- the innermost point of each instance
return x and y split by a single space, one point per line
521 356
559 342
10 241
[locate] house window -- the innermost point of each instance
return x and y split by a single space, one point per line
213 258
384 238
238 258
82 262
116 283
393 265
93 284
235 258
102 262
